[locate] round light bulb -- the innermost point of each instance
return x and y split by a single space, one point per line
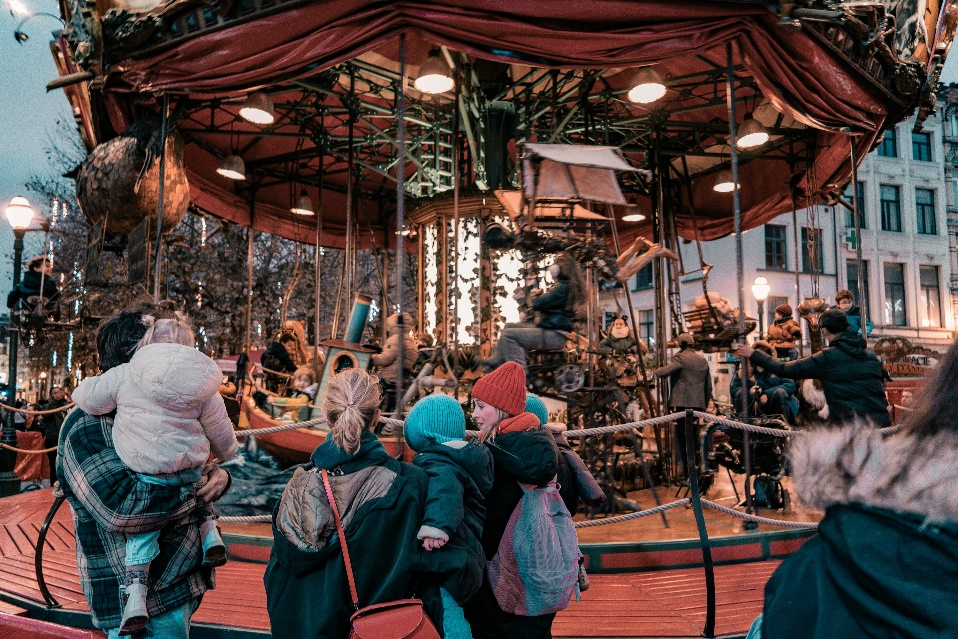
19 213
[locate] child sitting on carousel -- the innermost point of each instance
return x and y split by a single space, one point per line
302 395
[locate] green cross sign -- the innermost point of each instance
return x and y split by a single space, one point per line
851 238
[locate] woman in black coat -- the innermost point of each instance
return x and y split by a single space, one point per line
381 502
524 452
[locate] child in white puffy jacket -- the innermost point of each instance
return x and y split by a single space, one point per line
169 417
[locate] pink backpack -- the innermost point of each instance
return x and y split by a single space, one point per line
535 570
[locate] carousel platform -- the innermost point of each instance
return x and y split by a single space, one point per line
646 579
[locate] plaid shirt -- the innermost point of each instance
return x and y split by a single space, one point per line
108 501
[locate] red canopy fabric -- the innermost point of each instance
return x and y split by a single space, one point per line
800 76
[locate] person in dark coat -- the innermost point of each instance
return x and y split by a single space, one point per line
37 282
691 381
852 377
845 302
51 424
556 310
775 395
523 452
276 359
885 560
381 502
460 475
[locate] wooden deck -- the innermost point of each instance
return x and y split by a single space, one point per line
663 603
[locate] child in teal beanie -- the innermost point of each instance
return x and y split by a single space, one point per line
460 475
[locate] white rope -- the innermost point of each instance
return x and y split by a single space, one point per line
253 432
246 519
588 523
758 520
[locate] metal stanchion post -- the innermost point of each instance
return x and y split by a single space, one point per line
696 497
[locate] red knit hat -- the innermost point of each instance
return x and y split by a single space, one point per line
504 388
784 309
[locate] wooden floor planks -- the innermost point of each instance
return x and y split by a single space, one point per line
667 603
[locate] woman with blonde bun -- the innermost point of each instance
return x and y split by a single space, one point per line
380 501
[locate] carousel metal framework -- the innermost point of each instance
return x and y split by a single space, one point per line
355 128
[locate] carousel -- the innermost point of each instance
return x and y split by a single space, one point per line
470 150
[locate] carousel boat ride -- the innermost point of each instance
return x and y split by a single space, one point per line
611 144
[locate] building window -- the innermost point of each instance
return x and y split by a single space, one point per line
770 305
862 211
930 299
813 259
647 328
921 147
643 279
775 247
889 145
895 295
890 207
925 211
851 272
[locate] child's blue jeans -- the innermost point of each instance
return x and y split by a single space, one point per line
142 548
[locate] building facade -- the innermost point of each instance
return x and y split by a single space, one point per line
907 206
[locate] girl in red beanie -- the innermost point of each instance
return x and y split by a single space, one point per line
524 452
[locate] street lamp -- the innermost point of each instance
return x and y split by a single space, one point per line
761 289
19 214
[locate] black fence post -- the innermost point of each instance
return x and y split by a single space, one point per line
692 468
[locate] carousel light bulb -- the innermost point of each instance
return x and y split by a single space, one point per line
723 182
258 109
303 206
751 133
633 214
232 167
646 86
435 76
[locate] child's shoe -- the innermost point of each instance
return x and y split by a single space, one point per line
214 550
135 615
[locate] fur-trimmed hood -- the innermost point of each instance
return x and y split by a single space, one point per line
856 464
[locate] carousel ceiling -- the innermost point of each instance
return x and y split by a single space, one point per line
545 72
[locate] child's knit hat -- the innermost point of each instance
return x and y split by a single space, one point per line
435 419
504 388
537 407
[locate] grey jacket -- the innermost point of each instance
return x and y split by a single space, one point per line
691 380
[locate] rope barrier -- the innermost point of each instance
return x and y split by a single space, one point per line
38 412
758 520
389 421
28 452
247 519
605 430
642 513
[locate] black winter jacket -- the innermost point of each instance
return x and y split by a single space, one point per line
381 503
459 479
553 308
851 374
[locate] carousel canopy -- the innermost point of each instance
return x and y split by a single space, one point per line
328 75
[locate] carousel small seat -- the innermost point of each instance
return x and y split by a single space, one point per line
712 334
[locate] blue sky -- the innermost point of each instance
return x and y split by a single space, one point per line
28 113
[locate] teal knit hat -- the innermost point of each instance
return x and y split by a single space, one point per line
537 407
435 419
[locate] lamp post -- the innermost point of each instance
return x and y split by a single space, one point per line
20 214
761 289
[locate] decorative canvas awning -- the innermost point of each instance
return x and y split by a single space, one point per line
540 71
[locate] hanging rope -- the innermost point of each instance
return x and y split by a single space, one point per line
50 411
28 452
